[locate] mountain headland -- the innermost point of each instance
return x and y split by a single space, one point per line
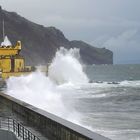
40 43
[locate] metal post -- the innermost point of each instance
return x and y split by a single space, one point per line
18 130
23 132
13 126
28 135
8 124
0 123
3 30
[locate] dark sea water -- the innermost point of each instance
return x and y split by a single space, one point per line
111 109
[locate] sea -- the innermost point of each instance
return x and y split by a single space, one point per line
112 107
102 98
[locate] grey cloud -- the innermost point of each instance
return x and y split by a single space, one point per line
125 46
99 22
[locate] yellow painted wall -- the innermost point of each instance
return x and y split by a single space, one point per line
19 64
5 65
4 51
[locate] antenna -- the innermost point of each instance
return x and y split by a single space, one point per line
3 30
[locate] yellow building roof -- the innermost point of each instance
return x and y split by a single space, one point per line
10 50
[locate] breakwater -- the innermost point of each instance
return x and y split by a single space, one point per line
51 126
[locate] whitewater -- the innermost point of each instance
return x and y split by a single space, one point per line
102 106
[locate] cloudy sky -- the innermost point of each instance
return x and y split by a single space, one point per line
114 24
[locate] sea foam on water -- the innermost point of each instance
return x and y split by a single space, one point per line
66 90
46 92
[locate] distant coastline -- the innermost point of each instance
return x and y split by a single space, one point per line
41 43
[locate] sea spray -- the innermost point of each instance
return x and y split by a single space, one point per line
66 68
49 93
104 108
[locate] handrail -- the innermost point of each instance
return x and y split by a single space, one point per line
18 129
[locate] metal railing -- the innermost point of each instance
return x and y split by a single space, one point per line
18 129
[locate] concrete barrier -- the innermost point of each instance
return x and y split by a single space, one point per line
7 135
51 126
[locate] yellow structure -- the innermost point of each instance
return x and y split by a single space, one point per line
11 62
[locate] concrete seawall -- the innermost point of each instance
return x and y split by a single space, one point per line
51 126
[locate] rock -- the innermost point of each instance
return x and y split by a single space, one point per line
41 43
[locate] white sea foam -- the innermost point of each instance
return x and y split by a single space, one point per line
130 83
66 81
48 92
66 68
